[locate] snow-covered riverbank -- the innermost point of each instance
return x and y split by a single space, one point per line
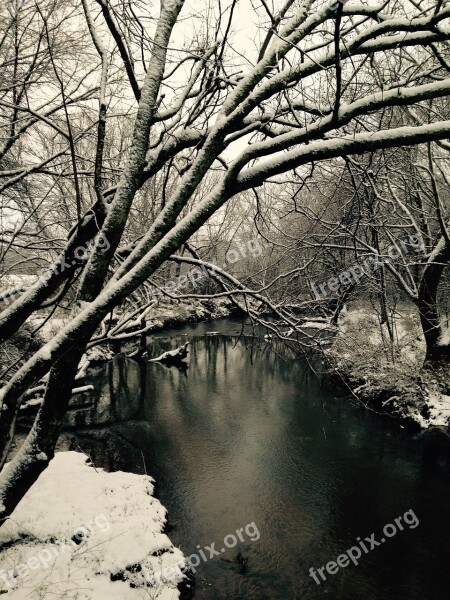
84 534
167 313
389 376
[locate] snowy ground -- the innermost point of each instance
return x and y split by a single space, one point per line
392 372
83 534
438 410
166 313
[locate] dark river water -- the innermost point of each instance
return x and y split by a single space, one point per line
249 436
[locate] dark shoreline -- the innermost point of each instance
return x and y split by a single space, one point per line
398 399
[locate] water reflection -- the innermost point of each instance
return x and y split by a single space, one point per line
246 434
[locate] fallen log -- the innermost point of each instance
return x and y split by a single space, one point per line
173 357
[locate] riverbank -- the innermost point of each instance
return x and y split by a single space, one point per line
388 376
86 534
165 315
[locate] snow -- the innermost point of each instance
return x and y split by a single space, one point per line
179 354
438 405
48 328
444 340
359 349
280 162
30 403
78 529
316 325
14 280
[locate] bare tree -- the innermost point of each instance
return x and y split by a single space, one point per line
309 91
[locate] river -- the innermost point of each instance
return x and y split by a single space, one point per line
246 436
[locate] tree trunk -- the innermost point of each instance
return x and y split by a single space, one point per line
427 303
15 315
39 447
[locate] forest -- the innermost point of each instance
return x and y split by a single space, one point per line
283 163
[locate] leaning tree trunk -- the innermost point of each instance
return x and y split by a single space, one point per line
428 306
12 317
39 447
